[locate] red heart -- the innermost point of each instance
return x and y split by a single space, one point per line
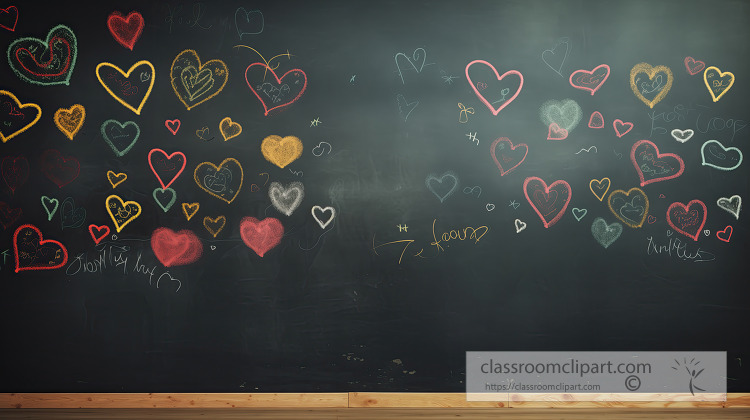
166 166
126 30
261 236
556 133
172 126
8 215
15 171
651 219
727 231
98 236
176 248
685 220
282 103
506 156
596 120
61 170
693 66
642 154
547 205
618 124
33 253
10 10
499 78
590 80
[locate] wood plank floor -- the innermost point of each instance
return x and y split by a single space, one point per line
381 413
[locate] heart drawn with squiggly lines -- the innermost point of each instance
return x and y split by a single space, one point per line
687 219
503 101
653 166
549 202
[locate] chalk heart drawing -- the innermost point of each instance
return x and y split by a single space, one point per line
261 235
195 83
555 58
706 232
165 198
590 81
715 155
214 225
189 209
50 206
98 233
323 215
490 207
126 30
717 82
724 235
596 120
621 128
70 215
579 213
442 186
555 132
121 137
229 129
176 248
600 187
45 62
15 171
173 126
418 58
649 83
281 151
605 234
127 91
286 199
549 202
70 120
565 113
630 207
33 252
507 156
732 204
653 166
279 92
682 135
60 169
9 18
520 225
15 117
248 22
122 212
405 107
8 214
506 101
651 219
694 66
223 181
166 166
687 219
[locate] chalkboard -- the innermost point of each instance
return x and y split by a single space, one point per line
349 195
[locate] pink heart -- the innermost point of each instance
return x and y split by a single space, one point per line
645 152
694 66
506 157
176 248
261 235
618 124
548 206
499 78
556 133
685 220
590 80
596 120
172 126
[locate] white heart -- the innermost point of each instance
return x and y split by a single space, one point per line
682 135
520 225
490 207
323 210
732 205
706 232
286 199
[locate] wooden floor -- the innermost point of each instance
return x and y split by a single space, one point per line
381 413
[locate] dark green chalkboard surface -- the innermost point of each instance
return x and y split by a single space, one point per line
299 196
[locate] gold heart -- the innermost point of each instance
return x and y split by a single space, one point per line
714 87
70 120
127 75
281 151
651 72
229 129
5 138
190 209
599 183
627 194
196 74
116 179
217 168
122 212
221 220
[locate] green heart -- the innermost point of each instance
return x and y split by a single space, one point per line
34 51
108 139
168 205
48 201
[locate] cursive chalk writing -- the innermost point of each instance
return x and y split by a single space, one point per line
676 248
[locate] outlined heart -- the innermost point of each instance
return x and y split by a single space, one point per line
551 57
549 202
8 214
15 171
484 100
223 181
733 205
164 197
261 235
717 82
505 155
120 85
98 233
520 225
214 225
650 84
319 213
286 199
687 219
278 94
630 207
49 62
605 234
694 66
62 170
122 212
120 137
229 129
70 120
419 56
442 191
596 120
116 179
579 213
33 252
590 80
724 235
601 186
621 128
715 155
248 22
70 215
164 167
682 135
281 151
195 83
173 126
653 166
556 133
12 16
176 248
405 107
50 206
126 30
12 121
189 209
565 113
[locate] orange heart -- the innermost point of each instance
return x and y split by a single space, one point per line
281 151
190 209
70 120
214 225
229 129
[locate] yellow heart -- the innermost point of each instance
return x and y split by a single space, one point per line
229 129
717 86
127 75
218 169
651 72
190 209
281 151
196 79
70 120
116 179
221 220
627 194
121 212
599 182
13 98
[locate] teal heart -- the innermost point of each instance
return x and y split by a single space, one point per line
47 202
579 213
165 198
442 186
120 137
45 62
605 234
